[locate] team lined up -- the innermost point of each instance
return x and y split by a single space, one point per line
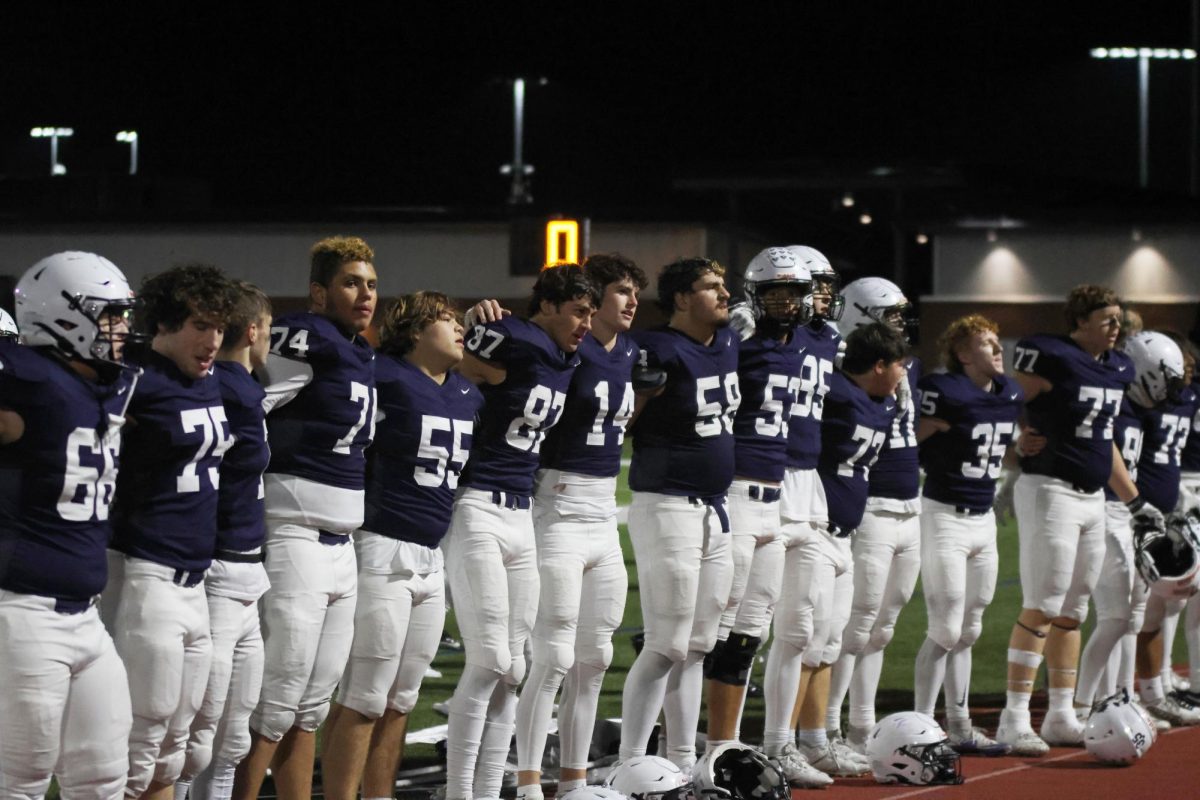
273 541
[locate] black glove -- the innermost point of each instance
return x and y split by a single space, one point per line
1144 518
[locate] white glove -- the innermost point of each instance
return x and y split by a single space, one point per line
741 319
1003 504
1188 503
903 393
1144 517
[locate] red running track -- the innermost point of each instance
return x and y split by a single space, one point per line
1169 771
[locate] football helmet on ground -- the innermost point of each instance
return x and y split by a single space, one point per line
733 771
1118 731
911 748
650 778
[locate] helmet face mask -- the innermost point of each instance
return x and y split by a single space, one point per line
778 290
734 771
8 326
826 285
1169 561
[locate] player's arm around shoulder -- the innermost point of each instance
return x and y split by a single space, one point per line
488 346
932 402
12 426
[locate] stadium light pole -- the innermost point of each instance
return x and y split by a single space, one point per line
519 171
1144 56
130 138
53 134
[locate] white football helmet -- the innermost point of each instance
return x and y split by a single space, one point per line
871 300
651 778
1118 731
61 299
824 277
1158 362
733 771
911 748
8 326
772 268
592 793
1169 560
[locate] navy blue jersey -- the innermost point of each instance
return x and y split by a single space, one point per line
962 463
320 433
853 431
518 412
896 473
769 378
1165 431
683 439
57 480
240 524
166 501
819 342
1076 414
1189 459
421 446
588 437
1127 434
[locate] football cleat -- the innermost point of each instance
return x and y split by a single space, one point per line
972 741
836 760
1016 732
1062 729
797 771
1175 710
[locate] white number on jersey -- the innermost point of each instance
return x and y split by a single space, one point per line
476 344
869 443
712 416
97 484
216 440
527 431
993 441
1131 451
813 386
298 343
771 422
1106 400
1024 358
1177 429
437 474
620 418
367 399
929 403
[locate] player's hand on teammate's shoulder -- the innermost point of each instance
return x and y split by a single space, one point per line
487 310
1029 443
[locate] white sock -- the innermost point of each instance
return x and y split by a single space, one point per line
567 786
1104 641
1151 689
1192 633
811 738
220 783
780 685
1017 701
641 700
496 740
1170 624
864 683
1061 699
577 714
681 709
1127 676
464 729
840 675
535 709
181 789
958 684
929 673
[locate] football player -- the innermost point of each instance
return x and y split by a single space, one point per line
320 404
887 544
524 368
220 736
165 517
582 569
859 412
770 364
1073 388
802 510
62 406
968 419
682 467
422 441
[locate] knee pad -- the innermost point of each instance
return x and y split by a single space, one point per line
105 779
235 746
595 656
944 634
405 701
272 723
731 660
881 637
196 760
557 656
516 671
971 633
310 717
168 767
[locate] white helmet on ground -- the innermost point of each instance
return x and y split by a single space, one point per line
592 793
61 300
773 268
911 748
1158 362
733 771
650 778
8 326
1169 560
1118 731
871 300
825 279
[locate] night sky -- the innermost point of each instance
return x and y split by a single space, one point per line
285 105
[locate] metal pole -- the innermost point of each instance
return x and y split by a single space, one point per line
1194 128
53 152
133 156
518 193
1143 121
